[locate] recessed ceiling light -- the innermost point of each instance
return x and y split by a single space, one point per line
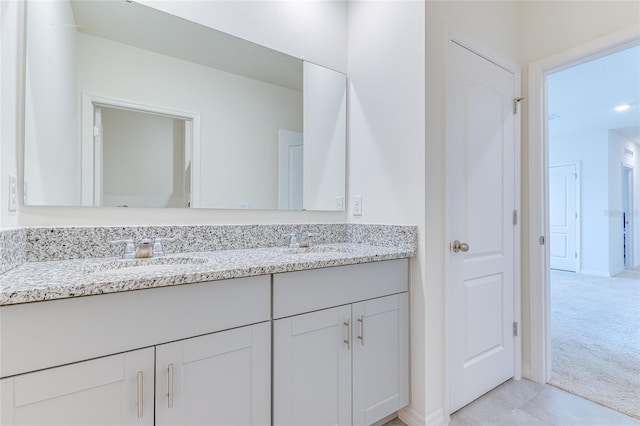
623 107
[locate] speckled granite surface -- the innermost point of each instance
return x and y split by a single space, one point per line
12 248
202 253
40 281
61 243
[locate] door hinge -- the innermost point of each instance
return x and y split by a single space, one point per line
575 255
516 102
541 240
97 131
515 329
515 217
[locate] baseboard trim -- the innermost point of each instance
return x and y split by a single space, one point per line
526 371
436 418
411 417
596 273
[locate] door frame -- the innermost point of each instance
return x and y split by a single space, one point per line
628 173
577 165
539 367
515 69
88 153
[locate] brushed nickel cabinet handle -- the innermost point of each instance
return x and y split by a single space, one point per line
140 394
170 386
361 336
347 323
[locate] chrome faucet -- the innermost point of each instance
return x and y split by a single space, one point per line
293 240
144 249
305 241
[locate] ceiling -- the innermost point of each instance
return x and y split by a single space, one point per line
583 97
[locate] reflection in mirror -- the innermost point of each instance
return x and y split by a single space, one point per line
130 106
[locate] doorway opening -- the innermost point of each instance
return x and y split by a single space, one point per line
138 155
593 351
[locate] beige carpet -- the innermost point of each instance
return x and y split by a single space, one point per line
595 338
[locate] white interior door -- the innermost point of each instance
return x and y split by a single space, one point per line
562 217
290 180
481 188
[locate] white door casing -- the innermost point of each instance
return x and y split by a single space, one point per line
628 212
482 185
563 217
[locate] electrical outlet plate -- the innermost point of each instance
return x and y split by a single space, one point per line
357 205
339 203
13 193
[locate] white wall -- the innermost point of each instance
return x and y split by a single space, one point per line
11 14
621 152
51 169
324 137
590 149
387 139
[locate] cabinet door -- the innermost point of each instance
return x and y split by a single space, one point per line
312 368
114 390
218 379
380 358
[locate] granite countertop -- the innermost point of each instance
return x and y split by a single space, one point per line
50 280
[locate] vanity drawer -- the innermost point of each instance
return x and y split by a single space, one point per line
305 291
46 334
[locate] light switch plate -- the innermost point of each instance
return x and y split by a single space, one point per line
13 193
339 203
357 205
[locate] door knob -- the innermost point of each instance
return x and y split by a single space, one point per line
457 246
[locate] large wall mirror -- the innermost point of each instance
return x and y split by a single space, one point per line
130 106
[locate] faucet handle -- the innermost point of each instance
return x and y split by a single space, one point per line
306 238
129 248
293 240
158 248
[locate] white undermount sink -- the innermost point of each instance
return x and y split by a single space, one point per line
320 250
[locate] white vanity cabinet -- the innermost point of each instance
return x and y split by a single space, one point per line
75 361
347 364
218 379
114 390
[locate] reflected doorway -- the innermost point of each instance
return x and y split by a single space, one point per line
136 155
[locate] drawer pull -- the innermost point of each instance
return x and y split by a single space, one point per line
361 336
347 323
170 386
140 394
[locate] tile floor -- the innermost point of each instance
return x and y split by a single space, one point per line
525 403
